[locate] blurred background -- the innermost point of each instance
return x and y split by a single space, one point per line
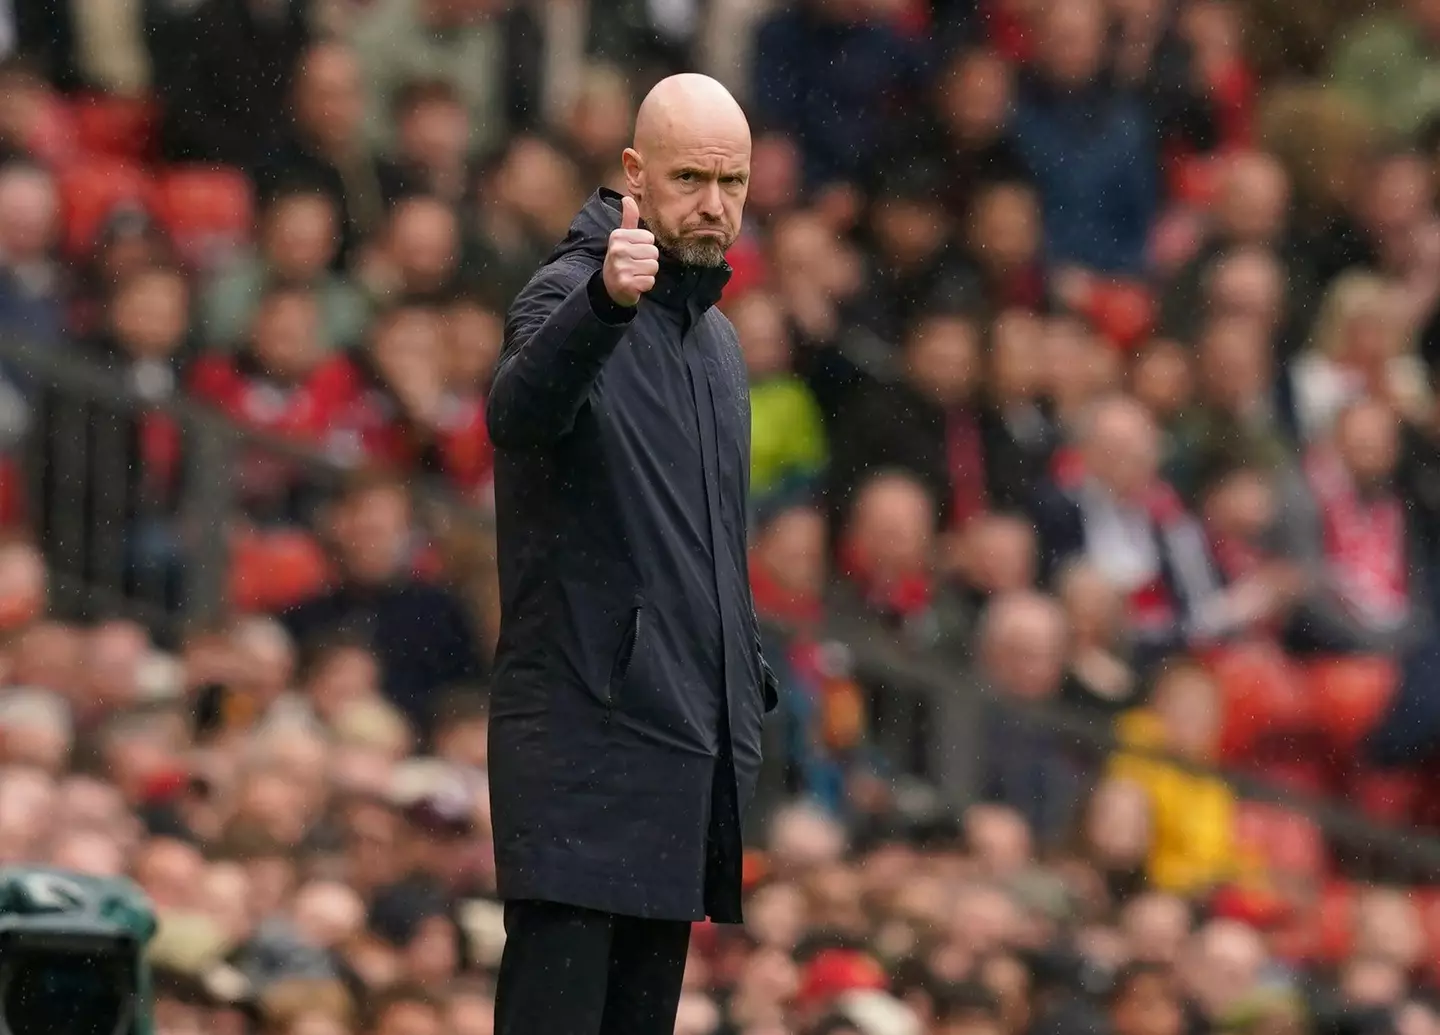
1096 511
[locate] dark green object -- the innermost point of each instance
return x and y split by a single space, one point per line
72 955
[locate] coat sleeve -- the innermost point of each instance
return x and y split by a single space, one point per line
560 331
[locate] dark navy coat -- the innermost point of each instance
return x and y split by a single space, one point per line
629 686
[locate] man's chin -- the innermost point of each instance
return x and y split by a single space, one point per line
699 251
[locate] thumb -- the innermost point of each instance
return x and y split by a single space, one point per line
629 214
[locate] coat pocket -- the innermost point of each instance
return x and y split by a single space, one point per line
624 656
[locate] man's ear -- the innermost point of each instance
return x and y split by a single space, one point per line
634 165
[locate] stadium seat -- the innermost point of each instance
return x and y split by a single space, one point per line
208 211
1263 696
1335 921
1122 311
1386 796
1194 179
89 191
1350 696
116 127
269 571
1290 844
1427 903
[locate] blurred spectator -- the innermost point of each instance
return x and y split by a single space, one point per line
1144 1000
409 412
433 139
523 209
1131 527
120 501
129 239
1100 679
823 73
31 280
1236 415
1366 596
282 382
298 240
1357 347
597 126
787 438
1097 200
1193 845
924 423
224 72
1004 242
1018 425
1251 208
417 257
1021 649
969 127
916 266
1383 63
490 50
421 634
885 555
324 147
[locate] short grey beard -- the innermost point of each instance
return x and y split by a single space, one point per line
707 253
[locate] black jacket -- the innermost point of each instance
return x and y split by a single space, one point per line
622 440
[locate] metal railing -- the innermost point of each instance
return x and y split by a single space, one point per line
121 541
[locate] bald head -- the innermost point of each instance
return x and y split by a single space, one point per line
689 168
680 106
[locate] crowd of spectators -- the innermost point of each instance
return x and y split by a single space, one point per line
1092 348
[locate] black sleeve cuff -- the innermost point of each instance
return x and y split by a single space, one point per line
605 308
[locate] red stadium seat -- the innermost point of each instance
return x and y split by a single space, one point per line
1386 796
1427 903
1122 311
209 212
1335 921
1263 696
1194 180
1351 696
1290 844
116 127
90 189
270 571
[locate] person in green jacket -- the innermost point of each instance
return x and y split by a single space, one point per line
787 430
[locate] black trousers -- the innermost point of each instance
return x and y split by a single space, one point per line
572 971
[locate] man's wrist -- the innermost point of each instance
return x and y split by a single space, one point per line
605 308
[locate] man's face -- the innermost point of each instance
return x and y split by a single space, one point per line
300 237
1123 453
691 194
1072 42
328 100
173 1017
1149 1007
408 1018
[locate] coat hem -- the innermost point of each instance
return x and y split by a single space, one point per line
574 887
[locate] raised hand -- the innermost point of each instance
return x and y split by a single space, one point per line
631 258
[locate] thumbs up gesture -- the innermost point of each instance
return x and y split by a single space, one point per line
631 258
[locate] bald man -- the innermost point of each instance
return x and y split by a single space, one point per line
629 687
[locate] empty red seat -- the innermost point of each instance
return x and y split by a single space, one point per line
116 127
1194 179
1387 796
1263 695
1427 903
1122 311
1289 843
269 571
1335 921
208 211
1351 696
90 189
